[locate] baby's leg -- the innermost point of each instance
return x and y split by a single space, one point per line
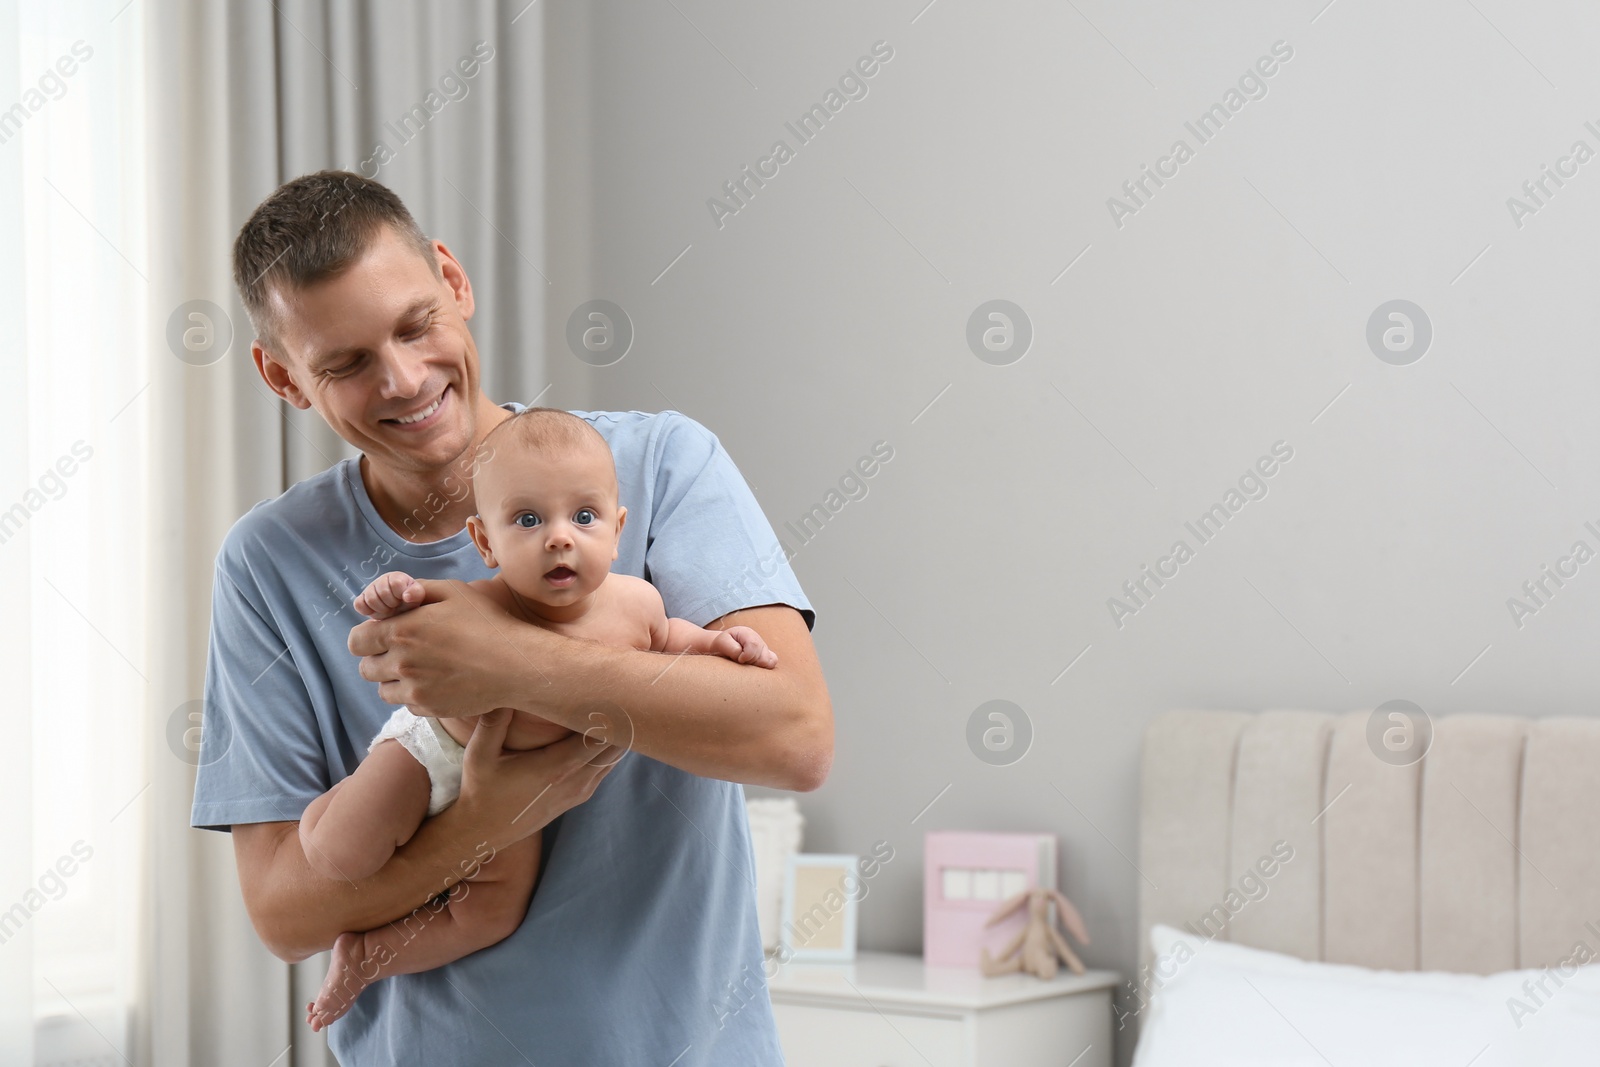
484 909
350 831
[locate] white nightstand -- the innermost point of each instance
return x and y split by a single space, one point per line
888 1010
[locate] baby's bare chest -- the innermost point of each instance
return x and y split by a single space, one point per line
618 617
614 620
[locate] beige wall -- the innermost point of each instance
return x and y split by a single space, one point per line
1229 313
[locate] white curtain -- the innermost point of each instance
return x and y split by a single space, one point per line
135 422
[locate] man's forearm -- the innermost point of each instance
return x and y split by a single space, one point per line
703 714
461 654
298 912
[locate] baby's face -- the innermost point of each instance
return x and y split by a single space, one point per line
551 520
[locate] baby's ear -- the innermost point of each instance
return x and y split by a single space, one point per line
622 520
480 540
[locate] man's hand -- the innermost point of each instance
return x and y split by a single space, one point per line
495 783
452 655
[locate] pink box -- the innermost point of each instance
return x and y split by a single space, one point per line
966 877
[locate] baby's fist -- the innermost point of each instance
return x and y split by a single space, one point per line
390 594
750 647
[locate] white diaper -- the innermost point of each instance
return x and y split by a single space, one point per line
438 752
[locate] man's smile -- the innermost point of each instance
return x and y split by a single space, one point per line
422 417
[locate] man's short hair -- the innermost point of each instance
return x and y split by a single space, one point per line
311 229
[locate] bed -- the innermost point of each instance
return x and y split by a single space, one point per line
1480 858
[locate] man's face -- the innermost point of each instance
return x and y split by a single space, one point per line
383 353
549 521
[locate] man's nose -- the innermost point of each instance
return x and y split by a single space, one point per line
402 375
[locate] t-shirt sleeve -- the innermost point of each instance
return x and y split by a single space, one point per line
260 757
710 549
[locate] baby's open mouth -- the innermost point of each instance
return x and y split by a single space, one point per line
561 574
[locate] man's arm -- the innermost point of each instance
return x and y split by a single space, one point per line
298 912
505 797
460 654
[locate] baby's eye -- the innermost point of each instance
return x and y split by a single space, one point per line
584 517
527 520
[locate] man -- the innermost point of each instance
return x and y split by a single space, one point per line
641 939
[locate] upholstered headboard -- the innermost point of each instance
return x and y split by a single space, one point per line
1482 857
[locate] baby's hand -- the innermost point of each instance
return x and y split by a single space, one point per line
390 594
743 645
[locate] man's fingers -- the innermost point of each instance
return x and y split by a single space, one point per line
583 779
378 669
488 734
369 638
607 756
572 752
597 775
433 590
564 758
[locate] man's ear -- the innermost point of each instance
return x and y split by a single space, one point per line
455 276
622 520
276 375
480 540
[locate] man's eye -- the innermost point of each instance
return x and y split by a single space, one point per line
527 520
417 332
584 517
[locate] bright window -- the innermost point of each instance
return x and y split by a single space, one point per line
72 513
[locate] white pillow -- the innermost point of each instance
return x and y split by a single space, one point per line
1226 1005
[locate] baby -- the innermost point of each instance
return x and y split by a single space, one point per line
549 521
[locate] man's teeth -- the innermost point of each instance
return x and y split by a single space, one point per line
423 414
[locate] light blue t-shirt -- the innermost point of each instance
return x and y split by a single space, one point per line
641 945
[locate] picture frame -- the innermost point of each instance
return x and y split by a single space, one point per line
821 892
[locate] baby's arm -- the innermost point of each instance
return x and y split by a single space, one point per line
351 830
738 643
389 594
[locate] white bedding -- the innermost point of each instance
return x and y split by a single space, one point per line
1229 1006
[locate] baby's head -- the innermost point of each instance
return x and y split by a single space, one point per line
547 516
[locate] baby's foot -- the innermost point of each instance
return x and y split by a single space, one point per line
343 984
